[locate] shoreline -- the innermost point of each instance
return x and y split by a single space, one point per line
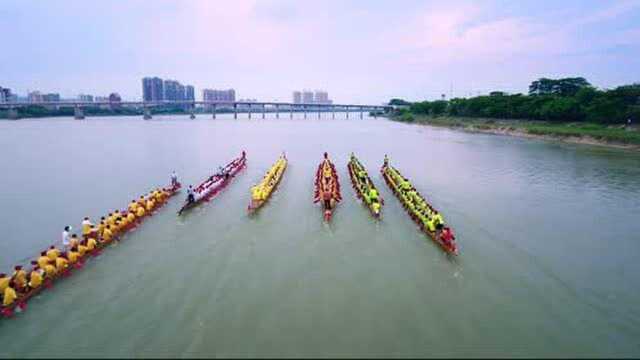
520 129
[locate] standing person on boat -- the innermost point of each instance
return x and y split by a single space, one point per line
174 179
65 237
190 197
386 160
20 278
86 226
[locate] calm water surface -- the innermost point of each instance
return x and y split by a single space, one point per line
549 236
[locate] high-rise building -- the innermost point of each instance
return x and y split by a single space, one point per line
85 98
152 89
321 97
307 97
212 95
51 97
35 96
190 93
297 97
5 95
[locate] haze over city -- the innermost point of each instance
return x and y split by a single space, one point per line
360 51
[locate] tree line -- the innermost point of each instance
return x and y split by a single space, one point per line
559 100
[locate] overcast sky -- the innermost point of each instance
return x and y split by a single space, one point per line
359 51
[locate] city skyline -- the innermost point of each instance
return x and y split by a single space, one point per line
370 53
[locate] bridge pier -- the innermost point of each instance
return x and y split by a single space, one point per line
235 111
213 112
304 108
361 112
318 112
333 112
249 111
277 111
347 111
12 113
192 115
263 106
146 113
78 113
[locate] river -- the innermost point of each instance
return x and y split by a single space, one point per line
549 235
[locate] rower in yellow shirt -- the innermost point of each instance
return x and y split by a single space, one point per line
61 264
73 256
9 296
35 277
133 205
149 205
50 271
92 244
131 217
4 282
111 219
140 212
74 241
82 249
20 278
53 253
107 236
43 260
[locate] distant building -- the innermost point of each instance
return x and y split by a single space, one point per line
85 98
190 93
101 99
212 95
35 96
51 97
152 89
307 97
321 97
115 98
297 97
5 95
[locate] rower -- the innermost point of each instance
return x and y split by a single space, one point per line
74 240
131 217
9 295
107 235
4 282
65 236
82 248
50 271
373 194
43 260
132 206
35 277
91 244
375 206
73 256
86 226
53 253
190 196
101 226
61 264
20 278
140 212
386 161
174 179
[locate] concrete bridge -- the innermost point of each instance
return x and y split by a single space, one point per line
235 107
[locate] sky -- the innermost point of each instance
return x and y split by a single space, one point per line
362 51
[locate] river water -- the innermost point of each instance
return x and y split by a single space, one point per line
549 236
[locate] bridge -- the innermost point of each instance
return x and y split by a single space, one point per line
214 107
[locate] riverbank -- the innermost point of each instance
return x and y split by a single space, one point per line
577 133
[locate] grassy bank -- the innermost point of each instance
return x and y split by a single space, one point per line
572 132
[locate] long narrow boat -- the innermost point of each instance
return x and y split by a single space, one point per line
417 207
262 191
364 187
23 298
327 187
210 187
